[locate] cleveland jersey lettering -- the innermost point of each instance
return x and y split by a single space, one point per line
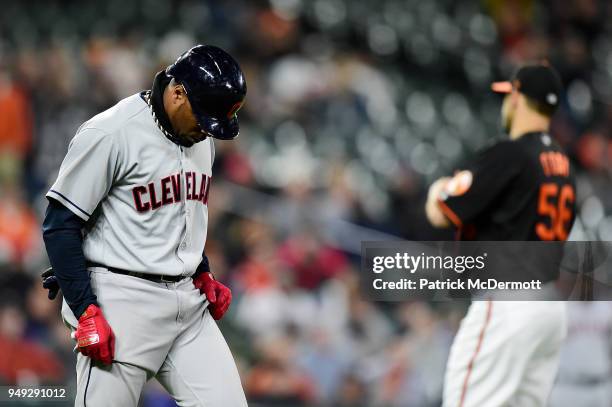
168 191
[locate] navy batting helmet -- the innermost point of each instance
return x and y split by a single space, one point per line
215 87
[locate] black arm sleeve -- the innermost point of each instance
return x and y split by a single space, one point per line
203 267
64 243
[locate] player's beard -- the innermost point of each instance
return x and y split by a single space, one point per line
192 135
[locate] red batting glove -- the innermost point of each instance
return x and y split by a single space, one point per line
94 336
219 296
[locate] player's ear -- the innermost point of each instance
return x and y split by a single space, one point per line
178 92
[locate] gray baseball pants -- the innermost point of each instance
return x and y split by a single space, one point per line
162 330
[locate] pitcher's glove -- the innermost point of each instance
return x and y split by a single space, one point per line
219 296
49 282
94 336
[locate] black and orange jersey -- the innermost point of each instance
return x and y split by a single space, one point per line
518 190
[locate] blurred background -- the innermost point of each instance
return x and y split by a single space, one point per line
353 108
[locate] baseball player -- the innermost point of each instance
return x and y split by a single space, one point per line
521 188
125 231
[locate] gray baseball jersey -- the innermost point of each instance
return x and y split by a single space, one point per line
145 198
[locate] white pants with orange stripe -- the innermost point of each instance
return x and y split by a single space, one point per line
506 353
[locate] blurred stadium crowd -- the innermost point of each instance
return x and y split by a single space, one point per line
353 108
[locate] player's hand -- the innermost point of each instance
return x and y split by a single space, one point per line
432 210
219 296
50 283
435 191
94 336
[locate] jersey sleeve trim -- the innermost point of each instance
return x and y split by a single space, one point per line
74 208
450 215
